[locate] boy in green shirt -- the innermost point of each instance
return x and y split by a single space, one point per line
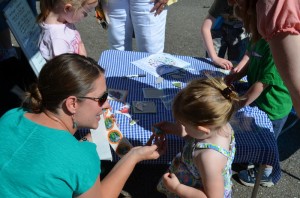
267 91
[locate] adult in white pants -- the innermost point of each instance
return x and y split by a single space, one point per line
128 17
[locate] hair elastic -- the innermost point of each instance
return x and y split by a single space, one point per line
227 91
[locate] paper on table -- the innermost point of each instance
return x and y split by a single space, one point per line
160 64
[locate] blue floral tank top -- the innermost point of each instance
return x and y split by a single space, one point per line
187 173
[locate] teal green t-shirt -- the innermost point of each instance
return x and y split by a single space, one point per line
37 161
275 100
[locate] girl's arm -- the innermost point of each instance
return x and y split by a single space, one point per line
82 50
253 93
113 183
210 165
240 67
209 46
239 71
173 185
172 128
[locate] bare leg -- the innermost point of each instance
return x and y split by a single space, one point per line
285 49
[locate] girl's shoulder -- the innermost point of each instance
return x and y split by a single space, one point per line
203 147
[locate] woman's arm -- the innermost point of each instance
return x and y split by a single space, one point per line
113 183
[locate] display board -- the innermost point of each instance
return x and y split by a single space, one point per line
22 23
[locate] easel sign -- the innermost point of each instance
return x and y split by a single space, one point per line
22 23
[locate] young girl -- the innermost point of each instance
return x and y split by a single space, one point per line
59 35
203 168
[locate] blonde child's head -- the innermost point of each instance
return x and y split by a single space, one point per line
47 6
205 102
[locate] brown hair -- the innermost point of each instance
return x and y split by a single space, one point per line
46 6
247 12
63 76
203 102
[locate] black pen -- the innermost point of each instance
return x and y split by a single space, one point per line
135 75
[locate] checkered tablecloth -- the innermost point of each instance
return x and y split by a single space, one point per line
253 129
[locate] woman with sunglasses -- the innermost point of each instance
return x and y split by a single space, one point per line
40 157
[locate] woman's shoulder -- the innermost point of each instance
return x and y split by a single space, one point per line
12 114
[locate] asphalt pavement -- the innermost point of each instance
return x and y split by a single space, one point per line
183 38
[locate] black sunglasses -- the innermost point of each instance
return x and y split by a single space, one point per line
101 100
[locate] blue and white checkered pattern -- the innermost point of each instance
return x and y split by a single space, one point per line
253 129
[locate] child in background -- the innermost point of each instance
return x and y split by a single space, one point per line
267 90
59 34
222 32
202 110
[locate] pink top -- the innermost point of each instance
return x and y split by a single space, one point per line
56 39
275 16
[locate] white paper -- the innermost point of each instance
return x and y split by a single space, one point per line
160 64
99 137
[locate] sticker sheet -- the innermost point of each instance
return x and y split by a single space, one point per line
108 133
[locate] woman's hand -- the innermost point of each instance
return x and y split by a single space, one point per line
159 6
171 182
160 141
146 152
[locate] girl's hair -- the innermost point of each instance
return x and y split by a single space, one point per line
247 12
63 76
46 6
205 102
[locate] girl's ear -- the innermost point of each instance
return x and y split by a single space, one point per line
203 129
68 7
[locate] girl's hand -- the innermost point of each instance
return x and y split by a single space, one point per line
224 63
171 182
159 6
